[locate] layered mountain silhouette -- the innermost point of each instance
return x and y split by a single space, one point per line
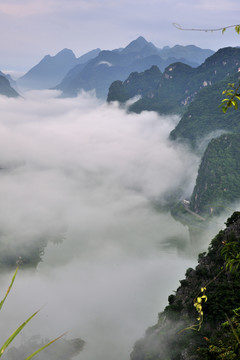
51 69
5 87
97 69
191 53
108 66
181 86
10 79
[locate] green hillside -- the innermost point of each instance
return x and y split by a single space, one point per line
204 115
144 84
182 332
217 184
180 83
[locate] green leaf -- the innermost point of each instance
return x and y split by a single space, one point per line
237 28
9 288
223 30
44 347
224 100
15 333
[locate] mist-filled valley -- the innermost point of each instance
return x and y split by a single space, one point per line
119 180
92 182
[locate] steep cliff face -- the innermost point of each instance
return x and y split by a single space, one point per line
169 339
203 115
217 184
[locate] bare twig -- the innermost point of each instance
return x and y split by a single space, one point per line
223 28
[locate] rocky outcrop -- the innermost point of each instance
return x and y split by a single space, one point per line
217 184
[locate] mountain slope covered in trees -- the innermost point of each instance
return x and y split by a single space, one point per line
180 83
174 337
143 84
204 115
217 185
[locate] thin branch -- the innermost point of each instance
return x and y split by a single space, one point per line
179 27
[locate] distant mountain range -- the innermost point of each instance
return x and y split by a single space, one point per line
108 66
98 69
52 69
5 87
192 53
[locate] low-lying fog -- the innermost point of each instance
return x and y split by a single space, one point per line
87 176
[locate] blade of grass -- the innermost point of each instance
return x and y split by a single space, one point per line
19 329
44 347
15 333
9 288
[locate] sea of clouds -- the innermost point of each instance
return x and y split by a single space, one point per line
86 176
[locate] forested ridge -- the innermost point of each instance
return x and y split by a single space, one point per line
179 333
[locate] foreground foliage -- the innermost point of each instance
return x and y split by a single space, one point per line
21 327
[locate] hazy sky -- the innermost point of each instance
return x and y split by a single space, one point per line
31 29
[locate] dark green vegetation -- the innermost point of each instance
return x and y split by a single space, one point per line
144 84
217 183
180 83
169 339
197 94
204 116
6 89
